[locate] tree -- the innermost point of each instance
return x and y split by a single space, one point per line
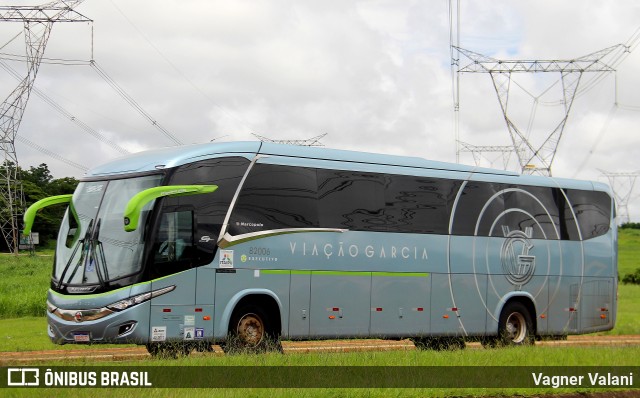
38 183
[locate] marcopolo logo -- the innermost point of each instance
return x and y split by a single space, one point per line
517 263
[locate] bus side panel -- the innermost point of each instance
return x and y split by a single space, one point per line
470 302
444 321
400 305
596 304
171 312
340 304
469 286
562 313
299 305
597 256
205 296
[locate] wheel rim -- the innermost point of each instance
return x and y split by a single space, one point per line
250 330
516 328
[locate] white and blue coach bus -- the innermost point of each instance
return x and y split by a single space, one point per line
241 243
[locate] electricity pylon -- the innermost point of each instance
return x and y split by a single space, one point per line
313 141
478 151
536 159
37 22
622 184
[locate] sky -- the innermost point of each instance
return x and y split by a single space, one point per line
372 75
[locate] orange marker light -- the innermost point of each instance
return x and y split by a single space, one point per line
603 316
332 317
543 316
206 318
445 316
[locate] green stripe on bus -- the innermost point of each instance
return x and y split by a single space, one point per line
345 273
97 295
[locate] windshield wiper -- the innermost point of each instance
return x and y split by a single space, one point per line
80 261
97 254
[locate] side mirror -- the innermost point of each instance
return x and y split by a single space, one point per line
139 200
30 214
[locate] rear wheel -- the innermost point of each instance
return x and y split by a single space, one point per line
515 326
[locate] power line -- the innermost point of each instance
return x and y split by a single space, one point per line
50 61
51 153
601 135
182 74
85 127
102 73
111 82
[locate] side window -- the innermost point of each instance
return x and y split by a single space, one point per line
276 197
478 206
534 208
187 227
593 211
174 240
352 200
499 209
419 204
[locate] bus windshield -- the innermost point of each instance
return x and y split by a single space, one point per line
93 248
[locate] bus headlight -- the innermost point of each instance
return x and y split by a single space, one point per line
140 298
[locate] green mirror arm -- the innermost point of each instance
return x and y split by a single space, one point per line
30 214
139 200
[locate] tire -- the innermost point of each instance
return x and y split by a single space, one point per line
515 326
250 331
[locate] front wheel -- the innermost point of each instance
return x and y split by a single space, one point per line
515 326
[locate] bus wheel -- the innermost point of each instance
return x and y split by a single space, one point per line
249 331
515 326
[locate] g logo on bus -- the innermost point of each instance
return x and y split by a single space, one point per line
78 316
517 263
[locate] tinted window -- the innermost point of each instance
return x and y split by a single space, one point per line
491 209
188 226
419 204
276 197
593 210
174 241
352 200
471 212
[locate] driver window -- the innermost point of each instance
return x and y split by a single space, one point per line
174 242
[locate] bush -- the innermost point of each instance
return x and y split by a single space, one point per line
633 278
630 225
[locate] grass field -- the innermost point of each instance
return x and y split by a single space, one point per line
24 282
628 251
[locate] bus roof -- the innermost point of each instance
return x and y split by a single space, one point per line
169 157
175 156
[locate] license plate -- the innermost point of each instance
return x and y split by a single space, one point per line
81 337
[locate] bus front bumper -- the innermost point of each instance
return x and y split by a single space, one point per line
99 326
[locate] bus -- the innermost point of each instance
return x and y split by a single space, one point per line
242 244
